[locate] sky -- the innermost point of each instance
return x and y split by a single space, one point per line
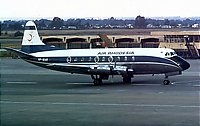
20 9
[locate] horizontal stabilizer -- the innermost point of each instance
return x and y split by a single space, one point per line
19 53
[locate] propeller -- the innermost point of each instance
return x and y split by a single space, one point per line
112 68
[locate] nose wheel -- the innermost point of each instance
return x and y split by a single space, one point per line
166 81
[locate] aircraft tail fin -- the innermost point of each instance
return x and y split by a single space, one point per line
31 42
31 36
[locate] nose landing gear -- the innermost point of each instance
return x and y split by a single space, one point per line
166 81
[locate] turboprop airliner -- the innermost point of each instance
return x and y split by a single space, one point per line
100 63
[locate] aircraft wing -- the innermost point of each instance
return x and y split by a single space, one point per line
111 69
90 69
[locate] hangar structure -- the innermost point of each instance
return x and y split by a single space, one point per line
185 43
95 41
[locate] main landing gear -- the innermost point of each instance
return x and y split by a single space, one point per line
97 80
127 79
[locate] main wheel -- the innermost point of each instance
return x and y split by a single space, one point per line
97 82
166 82
127 80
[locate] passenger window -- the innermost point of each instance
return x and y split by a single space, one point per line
82 59
118 58
69 59
133 58
90 59
75 59
103 59
110 59
96 59
125 58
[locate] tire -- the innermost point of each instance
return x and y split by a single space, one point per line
166 82
97 82
127 80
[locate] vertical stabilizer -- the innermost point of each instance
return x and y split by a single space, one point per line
31 36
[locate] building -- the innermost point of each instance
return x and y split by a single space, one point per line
185 43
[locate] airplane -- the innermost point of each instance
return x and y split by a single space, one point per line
100 63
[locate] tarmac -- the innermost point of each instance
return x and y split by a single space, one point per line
34 96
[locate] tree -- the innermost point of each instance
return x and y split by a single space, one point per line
0 28
166 22
16 26
57 23
140 22
18 33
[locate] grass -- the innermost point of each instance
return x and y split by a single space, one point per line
12 42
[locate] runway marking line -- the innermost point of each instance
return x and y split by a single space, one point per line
21 82
145 84
77 83
186 82
99 104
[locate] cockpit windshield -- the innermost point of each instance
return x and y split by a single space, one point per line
172 53
169 54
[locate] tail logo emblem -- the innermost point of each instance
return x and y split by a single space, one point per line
30 37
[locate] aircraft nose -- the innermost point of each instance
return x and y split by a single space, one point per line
184 65
181 62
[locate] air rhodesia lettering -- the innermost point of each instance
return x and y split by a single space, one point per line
116 53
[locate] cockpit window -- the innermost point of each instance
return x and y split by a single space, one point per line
167 54
170 53
30 28
173 53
